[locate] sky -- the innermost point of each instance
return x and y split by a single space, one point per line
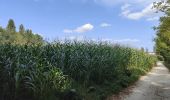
128 22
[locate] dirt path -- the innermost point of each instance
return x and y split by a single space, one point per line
154 86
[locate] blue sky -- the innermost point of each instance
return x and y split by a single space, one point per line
128 22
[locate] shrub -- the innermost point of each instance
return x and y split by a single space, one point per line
160 58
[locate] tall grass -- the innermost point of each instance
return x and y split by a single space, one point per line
57 70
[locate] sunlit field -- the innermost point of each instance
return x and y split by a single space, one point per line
69 71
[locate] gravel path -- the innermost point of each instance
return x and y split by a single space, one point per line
154 86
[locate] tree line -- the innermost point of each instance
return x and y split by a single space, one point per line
162 40
23 36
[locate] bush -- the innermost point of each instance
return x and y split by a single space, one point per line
160 58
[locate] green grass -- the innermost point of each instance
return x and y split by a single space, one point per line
69 71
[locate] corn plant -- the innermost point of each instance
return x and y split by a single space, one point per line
42 72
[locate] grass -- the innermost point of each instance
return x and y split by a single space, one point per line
69 70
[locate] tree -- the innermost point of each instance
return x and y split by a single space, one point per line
11 26
163 31
28 35
21 29
10 35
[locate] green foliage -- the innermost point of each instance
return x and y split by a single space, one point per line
21 29
163 32
9 35
24 74
47 72
160 58
33 70
11 28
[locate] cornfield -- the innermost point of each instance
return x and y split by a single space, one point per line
50 71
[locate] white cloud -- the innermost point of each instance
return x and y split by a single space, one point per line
82 29
120 40
148 12
105 25
125 6
127 40
68 31
130 8
153 18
